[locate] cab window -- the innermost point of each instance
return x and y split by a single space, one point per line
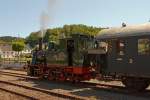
105 46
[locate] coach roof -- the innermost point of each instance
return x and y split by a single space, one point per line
132 30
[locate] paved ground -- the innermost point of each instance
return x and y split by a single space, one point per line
79 91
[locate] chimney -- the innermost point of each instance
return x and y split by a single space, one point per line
40 43
123 24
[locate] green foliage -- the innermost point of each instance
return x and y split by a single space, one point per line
9 39
73 29
18 46
32 39
53 35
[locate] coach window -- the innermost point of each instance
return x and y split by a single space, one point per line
120 49
143 46
109 46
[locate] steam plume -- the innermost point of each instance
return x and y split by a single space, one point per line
47 16
44 20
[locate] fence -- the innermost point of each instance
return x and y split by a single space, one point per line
14 62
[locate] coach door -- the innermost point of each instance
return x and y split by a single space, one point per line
120 48
120 52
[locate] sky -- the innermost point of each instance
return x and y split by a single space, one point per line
21 17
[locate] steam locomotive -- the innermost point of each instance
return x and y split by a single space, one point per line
65 61
122 52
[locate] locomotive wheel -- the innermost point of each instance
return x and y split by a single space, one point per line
30 71
77 79
62 77
138 84
50 76
41 76
70 78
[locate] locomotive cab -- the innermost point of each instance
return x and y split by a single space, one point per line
97 57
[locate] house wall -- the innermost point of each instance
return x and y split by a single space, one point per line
7 52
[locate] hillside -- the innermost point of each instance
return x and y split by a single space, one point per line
55 33
9 38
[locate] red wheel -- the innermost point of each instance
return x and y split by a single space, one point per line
41 76
77 79
50 76
62 77
70 78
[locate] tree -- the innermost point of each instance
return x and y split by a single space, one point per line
18 46
53 35
9 39
33 39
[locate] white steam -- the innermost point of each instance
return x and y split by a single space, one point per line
47 17
44 21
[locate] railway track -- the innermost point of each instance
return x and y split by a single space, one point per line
9 72
1 71
117 89
78 84
19 94
37 91
96 86
24 91
60 95
18 75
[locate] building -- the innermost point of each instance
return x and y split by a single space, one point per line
27 50
7 52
